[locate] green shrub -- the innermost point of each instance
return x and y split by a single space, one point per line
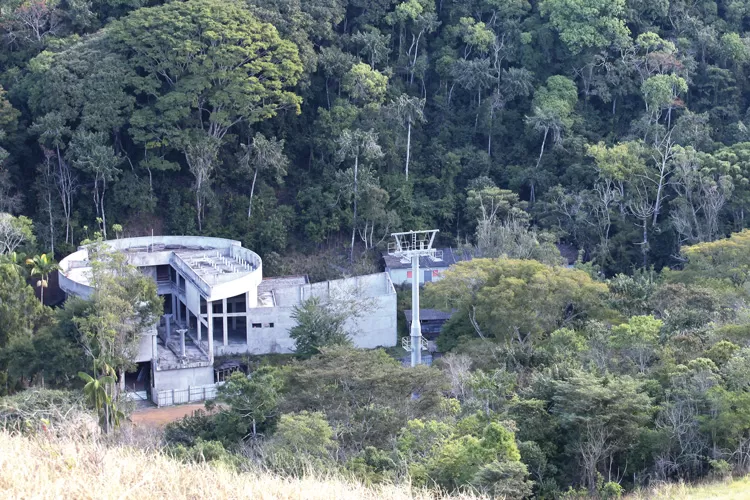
720 469
503 479
611 490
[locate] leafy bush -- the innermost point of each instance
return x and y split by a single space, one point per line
43 410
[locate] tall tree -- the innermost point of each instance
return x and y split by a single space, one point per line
90 153
206 66
122 305
42 266
409 110
263 155
255 397
318 326
553 106
356 144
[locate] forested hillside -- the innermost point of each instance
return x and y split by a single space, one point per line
287 124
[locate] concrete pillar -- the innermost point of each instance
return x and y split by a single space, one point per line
168 324
210 311
174 304
234 308
154 354
198 327
247 328
224 321
182 341
247 317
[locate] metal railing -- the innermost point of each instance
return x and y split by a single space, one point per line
190 274
171 397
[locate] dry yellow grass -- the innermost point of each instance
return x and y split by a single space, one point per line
37 468
738 489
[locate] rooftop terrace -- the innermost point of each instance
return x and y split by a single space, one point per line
210 263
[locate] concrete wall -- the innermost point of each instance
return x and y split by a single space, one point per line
71 287
71 267
193 299
149 271
183 377
377 327
146 346
143 259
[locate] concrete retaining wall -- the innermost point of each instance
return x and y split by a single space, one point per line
191 394
182 377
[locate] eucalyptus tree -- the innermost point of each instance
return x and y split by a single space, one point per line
90 153
553 106
409 110
661 93
80 98
701 193
263 155
417 18
356 144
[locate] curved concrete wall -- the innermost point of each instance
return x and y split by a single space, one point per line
73 264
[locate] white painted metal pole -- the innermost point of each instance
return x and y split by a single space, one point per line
416 328
210 311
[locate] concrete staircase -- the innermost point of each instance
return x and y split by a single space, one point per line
170 355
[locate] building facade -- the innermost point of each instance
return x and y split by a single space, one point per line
217 303
429 269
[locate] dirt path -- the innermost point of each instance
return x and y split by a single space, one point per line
159 417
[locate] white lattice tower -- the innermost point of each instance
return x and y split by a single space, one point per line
410 247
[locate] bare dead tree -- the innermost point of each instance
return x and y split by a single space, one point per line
595 446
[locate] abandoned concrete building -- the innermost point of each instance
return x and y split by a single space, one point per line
216 302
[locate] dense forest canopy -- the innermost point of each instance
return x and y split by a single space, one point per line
618 125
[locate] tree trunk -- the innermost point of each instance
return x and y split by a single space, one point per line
252 192
51 222
414 61
408 147
354 216
541 151
104 217
489 132
532 196
65 188
198 208
644 247
660 189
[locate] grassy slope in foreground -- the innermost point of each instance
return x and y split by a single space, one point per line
36 468
738 489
